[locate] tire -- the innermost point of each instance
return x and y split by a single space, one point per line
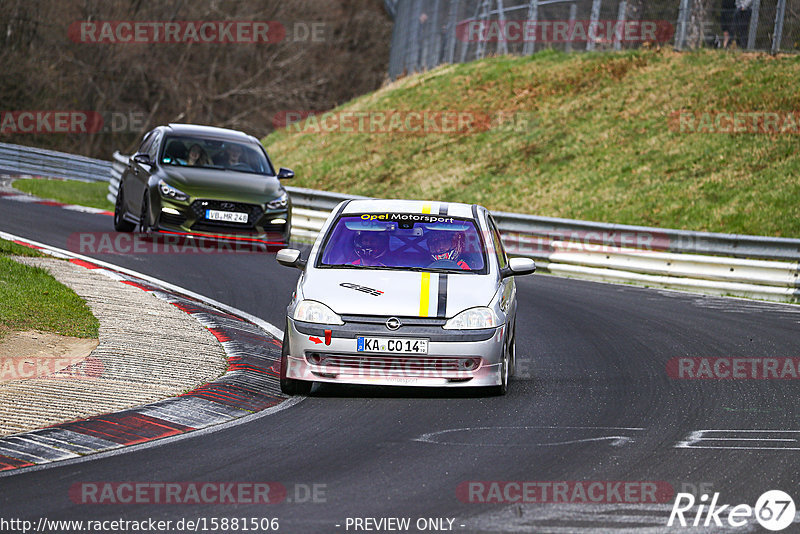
120 224
290 386
505 365
512 350
144 216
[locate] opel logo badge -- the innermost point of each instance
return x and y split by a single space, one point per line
393 323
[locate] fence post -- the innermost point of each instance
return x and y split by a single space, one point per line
618 31
777 34
683 20
502 45
751 37
451 36
573 15
533 18
593 24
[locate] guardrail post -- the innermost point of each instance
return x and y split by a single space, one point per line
777 34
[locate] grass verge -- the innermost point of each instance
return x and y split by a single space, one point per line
31 299
601 143
91 194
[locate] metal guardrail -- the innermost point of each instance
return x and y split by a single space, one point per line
727 264
724 264
38 161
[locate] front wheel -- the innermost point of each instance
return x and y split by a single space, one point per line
120 224
505 365
290 386
144 217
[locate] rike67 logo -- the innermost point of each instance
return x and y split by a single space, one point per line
774 510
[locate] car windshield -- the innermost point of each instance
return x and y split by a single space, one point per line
215 154
404 241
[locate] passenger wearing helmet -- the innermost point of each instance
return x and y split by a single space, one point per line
447 245
369 247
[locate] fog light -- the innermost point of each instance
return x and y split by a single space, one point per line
314 358
171 211
278 221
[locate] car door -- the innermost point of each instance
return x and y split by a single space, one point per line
140 172
129 187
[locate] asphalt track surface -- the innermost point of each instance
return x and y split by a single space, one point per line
592 401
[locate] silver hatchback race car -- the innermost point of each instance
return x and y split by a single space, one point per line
401 292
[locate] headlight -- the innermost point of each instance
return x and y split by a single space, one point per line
279 202
168 191
312 311
472 319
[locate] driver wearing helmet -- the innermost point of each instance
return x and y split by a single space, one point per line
370 247
447 245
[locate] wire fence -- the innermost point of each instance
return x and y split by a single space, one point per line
428 33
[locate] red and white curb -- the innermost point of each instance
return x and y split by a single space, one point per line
251 384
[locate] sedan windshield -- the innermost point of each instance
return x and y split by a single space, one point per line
404 241
215 154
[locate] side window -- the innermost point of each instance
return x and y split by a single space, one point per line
152 150
502 259
144 148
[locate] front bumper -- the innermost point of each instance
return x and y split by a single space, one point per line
334 357
270 227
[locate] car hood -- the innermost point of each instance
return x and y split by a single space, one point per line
223 185
397 293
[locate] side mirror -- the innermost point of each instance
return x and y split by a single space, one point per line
290 257
142 158
285 174
519 266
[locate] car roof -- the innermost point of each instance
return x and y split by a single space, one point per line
451 209
210 131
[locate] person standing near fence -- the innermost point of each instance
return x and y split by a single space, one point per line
726 21
741 21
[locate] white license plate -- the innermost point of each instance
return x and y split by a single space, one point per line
392 345
226 216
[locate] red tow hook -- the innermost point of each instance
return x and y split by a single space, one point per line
328 334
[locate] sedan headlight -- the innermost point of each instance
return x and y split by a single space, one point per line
167 191
472 319
279 202
312 311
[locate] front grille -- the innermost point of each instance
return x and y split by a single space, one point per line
381 365
407 321
224 228
199 207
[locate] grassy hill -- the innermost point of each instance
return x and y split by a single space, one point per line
598 141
